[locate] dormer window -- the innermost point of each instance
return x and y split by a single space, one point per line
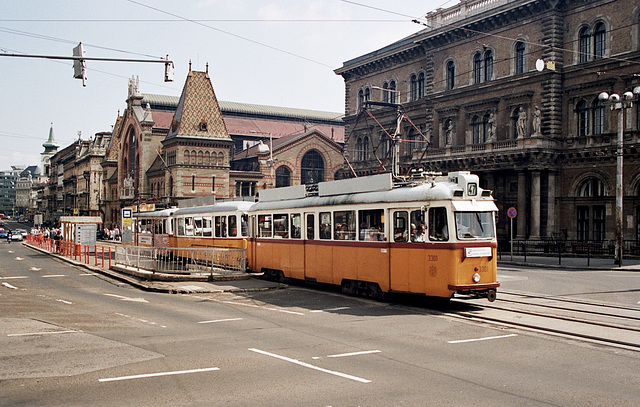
203 125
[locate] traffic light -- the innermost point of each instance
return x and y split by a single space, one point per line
168 70
79 65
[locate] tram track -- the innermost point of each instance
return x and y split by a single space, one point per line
606 324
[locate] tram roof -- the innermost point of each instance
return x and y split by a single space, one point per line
419 194
163 213
228 206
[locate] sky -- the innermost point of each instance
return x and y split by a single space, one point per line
270 52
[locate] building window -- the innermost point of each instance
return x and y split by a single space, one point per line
583 118
584 44
283 176
360 98
451 75
414 87
186 157
312 167
488 65
583 223
420 85
591 188
213 183
598 117
598 223
385 92
486 124
392 93
477 68
476 129
599 41
193 182
520 52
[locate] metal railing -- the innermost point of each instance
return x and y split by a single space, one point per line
195 261
587 249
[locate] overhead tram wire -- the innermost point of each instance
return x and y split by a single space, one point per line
233 35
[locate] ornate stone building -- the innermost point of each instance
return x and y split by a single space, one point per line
166 149
508 89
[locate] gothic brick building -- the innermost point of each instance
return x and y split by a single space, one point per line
508 89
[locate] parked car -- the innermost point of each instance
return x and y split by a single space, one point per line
3 233
23 232
16 237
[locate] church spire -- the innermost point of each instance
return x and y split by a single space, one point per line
50 145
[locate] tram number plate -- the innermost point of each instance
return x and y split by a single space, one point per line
477 252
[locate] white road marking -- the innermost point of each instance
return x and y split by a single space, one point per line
66 302
220 320
142 376
35 269
483 339
260 307
45 333
297 362
13 278
127 298
342 355
330 309
54 275
19 258
140 320
9 286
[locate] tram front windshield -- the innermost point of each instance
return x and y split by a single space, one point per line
475 225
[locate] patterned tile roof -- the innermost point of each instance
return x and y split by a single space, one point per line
198 113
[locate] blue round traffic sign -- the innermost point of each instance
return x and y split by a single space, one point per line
512 212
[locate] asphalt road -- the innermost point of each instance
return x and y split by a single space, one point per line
72 338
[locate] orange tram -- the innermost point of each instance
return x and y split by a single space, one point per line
432 234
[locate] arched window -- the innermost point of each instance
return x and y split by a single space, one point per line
194 157
221 158
592 187
520 54
477 68
488 65
420 85
367 94
358 150
385 92
476 129
486 123
200 157
207 158
599 41
283 176
131 170
186 157
584 44
598 117
582 109
451 75
392 93
360 98
414 87
365 148
312 168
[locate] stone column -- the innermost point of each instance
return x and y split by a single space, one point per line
551 204
535 205
522 205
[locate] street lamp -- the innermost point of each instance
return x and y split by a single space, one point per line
619 104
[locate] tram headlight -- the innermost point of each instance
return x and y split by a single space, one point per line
476 277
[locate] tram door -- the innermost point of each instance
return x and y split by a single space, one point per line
311 260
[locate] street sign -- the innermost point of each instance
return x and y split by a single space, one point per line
512 212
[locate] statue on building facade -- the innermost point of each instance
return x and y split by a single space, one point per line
491 136
448 132
536 121
521 123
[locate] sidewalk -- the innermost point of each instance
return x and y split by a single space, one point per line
241 282
578 263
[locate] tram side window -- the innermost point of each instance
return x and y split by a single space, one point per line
325 225
345 222
264 225
438 225
244 225
400 226
206 227
371 224
232 222
181 227
296 226
188 226
198 226
220 223
310 227
418 234
281 225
